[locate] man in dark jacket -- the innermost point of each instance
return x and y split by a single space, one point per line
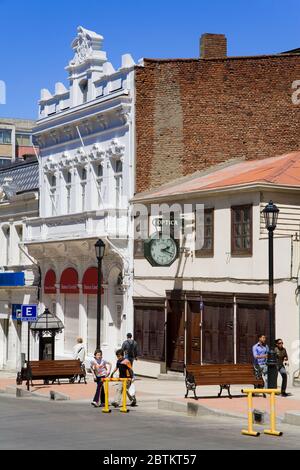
282 358
130 349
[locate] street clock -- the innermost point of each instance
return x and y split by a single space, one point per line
161 251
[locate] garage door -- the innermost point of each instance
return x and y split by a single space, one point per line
71 321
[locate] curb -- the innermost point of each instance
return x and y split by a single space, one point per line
195 410
292 417
57 396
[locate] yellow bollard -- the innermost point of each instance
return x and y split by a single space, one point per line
272 394
250 431
124 398
272 431
106 391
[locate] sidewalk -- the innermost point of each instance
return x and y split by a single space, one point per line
166 395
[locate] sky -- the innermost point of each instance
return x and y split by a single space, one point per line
36 36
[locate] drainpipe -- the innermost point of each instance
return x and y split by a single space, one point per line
39 270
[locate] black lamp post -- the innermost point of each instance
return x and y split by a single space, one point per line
271 213
100 250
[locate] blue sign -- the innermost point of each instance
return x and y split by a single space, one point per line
29 313
12 279
16 312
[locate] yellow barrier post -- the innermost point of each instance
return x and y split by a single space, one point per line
106 391
250 431
124 397
272 431
272 393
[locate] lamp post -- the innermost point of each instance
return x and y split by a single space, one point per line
100 250
271 213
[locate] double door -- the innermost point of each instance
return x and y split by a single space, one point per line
219 332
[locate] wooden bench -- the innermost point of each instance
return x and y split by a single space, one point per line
52 371
223 375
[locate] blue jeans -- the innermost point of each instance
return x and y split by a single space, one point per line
282 372
264 373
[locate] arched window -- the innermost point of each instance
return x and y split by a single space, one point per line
84 90
50 282
69 282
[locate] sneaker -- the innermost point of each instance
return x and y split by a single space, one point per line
284 394
95 404
115 404
133 403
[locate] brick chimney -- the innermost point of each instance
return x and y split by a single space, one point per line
213 46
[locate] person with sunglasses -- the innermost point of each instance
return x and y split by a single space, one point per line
282 358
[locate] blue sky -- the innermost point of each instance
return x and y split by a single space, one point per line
35 35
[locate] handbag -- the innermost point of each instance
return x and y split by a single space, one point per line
131 390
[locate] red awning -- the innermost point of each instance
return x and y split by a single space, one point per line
69 282
90 282
50 282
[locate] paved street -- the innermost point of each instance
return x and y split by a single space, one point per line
32 424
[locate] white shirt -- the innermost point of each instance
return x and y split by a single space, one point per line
100 367
79 352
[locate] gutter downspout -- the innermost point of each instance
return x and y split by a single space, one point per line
39 270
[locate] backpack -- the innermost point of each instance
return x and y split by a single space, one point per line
130 348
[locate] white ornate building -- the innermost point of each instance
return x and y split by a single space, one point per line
86 139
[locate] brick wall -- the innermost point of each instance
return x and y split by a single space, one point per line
195 113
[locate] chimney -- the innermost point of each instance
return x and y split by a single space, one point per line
213 46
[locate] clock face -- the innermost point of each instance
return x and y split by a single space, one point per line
163 251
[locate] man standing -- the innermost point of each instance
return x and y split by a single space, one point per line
130 349
282 358
260 355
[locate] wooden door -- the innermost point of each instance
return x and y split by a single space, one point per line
194 333
149 332
218 333
252 321
175 335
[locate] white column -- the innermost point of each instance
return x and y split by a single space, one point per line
60 338
83 320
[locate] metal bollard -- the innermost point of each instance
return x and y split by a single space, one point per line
272 431
272 393
250 431
106 408
106 390
124 397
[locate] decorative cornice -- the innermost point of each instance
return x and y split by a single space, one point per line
115 151
97 154
50 166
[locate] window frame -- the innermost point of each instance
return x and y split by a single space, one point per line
241 252
205 253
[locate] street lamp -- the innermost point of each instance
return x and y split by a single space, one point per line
100 250
271 213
